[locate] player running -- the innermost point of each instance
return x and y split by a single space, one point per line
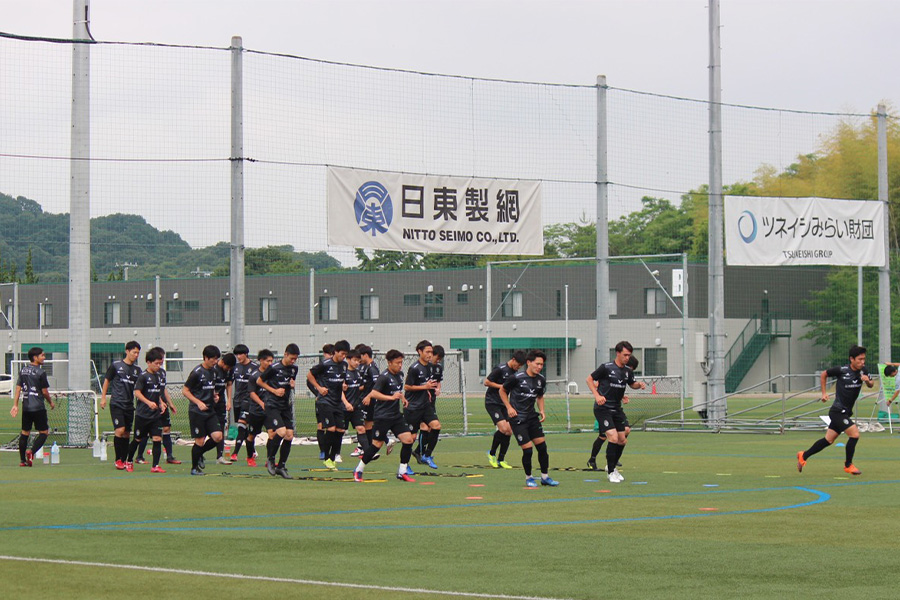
497 410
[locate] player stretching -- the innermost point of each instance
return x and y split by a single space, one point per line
121 376
149 391
33 382
520 393
386 395
418 407
279 380
437 374
329 377
497 410
355 415
846 390
224 374
601 436
241 401
255 413
200 390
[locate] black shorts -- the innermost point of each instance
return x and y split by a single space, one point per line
35 419
526 429
840 420
223 419
165 419
368 412
255 423
423 415
203 424
122 417
355 417
144 427
397 425
276 418
330 416
610 418
497 412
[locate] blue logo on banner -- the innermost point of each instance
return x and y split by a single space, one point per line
373 208
741 226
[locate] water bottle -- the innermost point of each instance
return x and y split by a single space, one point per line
97 448
54 454
45 456
103 452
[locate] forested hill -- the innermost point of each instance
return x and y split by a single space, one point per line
124 239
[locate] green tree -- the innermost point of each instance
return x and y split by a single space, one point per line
30 277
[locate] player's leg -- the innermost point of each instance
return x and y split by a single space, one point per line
407 438
835 428
852 439
434 432
25 455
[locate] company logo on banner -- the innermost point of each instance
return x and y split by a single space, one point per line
421 213
803 231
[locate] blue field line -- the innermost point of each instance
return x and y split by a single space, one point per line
166 523
820 497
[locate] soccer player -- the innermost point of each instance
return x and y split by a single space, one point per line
353 394
418 407
224 374
255 413
200 390
520 393
386 395
607 384
850 379
327 352
33 382
329 377
437 373
278 381
165 420
121 377
497 410
241 398
601 436
149 392
370 374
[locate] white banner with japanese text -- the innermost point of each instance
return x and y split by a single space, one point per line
425 213
803 231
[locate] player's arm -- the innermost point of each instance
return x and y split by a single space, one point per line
274 391
894 397
311 380
229 395
540 406
504 396
103 391
141 397
592 385
258 400
347 406
168 398
15 407
492 384
186 391
823 379
868 379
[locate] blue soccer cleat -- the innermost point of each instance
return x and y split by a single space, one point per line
530 482
549 481
429 461
409 471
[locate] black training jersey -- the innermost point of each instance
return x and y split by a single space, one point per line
437 373
253 387
611 381
388 384
222 378
418 374
524 390
499 375
150 385
354 387
847 387
242 383
330 375
370 375
279 376
33 381
202 384
122 377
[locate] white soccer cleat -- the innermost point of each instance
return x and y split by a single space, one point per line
619 475
613 478
338 459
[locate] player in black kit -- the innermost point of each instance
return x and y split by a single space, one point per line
255 413
329 378
850 379
601 436
121 377
418 406
200 390
607 383
496 409
520 394
278 381
224 374
33 382
355 415
241 397
149 390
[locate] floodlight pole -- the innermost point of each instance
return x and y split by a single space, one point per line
236 270
602 225
884 273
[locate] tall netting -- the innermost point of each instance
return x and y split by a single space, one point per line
161 163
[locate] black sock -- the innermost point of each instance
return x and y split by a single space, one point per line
157 453
433 437
371 451
285 452
241 436
167 444
543 457
817 447
220 448
121 448
142 447
526 461
272 446
405 454
495 443
619 452
251 447
334 443
612 453
598 444
209 445
38 442
420 441
23 446
320 438
851 448
370 435
504 447
132 448
196 453
363 441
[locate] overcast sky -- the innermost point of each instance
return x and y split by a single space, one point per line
829 55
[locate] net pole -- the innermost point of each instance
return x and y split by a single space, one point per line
236 272
462 384
487 327
568 405
602 225
156 309
884 273
684 317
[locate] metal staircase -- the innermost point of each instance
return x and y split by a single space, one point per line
749 345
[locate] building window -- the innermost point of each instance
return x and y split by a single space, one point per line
174 362
465 355
174 311
45 315
559 303
613 302
638 354
655 361
192 305
328 308
112 313
150 306
368 308
226 310
434 306
9 313
655 301
412 300
512 304
462 298
268 310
